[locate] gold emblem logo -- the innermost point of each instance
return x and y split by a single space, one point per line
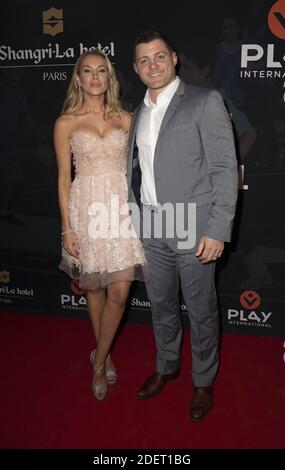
4 277
53 21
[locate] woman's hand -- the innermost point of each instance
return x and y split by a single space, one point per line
70 244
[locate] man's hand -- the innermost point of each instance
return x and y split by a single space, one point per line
209 249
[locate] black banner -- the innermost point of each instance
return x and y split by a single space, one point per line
234 47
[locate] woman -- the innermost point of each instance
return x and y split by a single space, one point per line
99 244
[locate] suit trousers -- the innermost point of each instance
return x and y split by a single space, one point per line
169 270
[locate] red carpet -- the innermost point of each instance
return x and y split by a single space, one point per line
46 400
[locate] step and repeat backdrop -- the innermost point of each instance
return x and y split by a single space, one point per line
234 47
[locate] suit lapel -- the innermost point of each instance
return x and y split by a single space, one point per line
132 139
171 108
135 121
134 126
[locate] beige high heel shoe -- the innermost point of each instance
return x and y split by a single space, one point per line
99 390
111 371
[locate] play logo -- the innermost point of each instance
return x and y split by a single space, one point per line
249 316
250 300
276 19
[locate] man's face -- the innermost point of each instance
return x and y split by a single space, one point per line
155 64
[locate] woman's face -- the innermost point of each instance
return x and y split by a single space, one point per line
93 75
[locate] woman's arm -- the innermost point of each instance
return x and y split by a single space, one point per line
63 154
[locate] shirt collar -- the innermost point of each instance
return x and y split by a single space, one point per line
166 94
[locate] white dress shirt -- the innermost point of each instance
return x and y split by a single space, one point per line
146 138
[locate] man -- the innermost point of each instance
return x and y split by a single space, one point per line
181 151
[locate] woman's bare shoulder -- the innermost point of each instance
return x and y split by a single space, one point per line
65 122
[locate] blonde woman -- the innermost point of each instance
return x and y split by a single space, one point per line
92 134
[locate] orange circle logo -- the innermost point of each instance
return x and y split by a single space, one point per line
276 19
75 287
250 300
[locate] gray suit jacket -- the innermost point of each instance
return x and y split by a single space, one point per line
194 160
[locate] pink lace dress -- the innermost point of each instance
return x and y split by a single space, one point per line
109 249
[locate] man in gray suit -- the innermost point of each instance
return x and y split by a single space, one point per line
181 154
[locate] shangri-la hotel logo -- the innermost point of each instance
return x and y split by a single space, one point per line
52 21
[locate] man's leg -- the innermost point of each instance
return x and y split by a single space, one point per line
198 288
163 292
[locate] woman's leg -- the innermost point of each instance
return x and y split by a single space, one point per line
106 313
117 295
95 302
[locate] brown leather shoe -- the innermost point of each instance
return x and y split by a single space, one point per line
201 403
154 384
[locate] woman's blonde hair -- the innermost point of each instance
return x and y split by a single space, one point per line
74 96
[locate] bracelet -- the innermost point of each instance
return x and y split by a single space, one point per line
65 232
